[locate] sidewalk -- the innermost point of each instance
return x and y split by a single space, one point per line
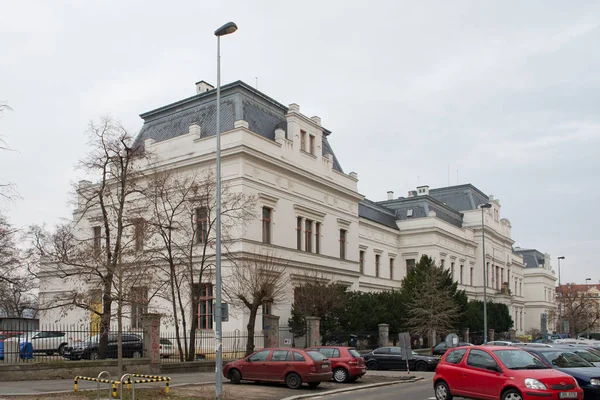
15 388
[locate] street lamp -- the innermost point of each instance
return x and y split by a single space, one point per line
560 322
485 333
226 29
588 318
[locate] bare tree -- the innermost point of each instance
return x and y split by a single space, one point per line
16 288
183 215
7 190
252 281
94 248
580 308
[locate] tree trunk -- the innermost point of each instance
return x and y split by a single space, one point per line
120 325
194 325
175 317
250 327
106 316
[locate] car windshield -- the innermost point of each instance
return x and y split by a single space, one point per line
315 355
519 359
93 339
587 356
565 359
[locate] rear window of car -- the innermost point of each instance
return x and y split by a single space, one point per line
354 353
330 353
298 357
455 356
315 355
166 342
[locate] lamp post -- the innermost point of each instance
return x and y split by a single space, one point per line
560 299
485 332
588 317
226 29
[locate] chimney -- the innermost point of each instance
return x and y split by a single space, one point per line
423 190
390 195
202 87
316 120
412 193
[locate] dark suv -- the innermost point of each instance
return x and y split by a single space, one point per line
88 349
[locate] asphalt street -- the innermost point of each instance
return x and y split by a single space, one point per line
421 390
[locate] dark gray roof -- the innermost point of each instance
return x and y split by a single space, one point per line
461 197
531 258
239 101
421 206
376 213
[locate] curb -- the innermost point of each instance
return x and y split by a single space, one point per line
351 389
2 396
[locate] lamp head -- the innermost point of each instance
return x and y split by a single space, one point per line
561 257
486 205
226 29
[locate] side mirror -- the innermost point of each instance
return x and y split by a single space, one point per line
493 367
248 359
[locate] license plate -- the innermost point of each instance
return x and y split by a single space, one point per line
324 366
567 395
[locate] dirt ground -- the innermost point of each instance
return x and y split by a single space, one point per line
243 391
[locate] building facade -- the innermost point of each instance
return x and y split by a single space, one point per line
310 211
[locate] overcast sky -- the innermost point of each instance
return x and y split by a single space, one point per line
504 94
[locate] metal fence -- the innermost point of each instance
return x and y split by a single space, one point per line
234 345
56 343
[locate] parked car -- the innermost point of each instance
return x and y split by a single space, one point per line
290 366
500 343
167 349
88 349
346 363
587 376
392 358
582 352
500 372
441 348
48 342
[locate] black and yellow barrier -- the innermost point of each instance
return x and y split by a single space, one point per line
87 378
150 379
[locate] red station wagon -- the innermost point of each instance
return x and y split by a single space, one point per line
346 362
500 372
290 366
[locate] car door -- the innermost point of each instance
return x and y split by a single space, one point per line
395 360
278 365
453 370
382 355
255 368
111 349
480 380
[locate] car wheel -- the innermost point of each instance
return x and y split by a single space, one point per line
61 349
512 394
293 380
421 366
340 375
136 354
94 355
235 376
372 365
442 391
313 384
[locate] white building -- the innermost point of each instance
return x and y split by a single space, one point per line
316 217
